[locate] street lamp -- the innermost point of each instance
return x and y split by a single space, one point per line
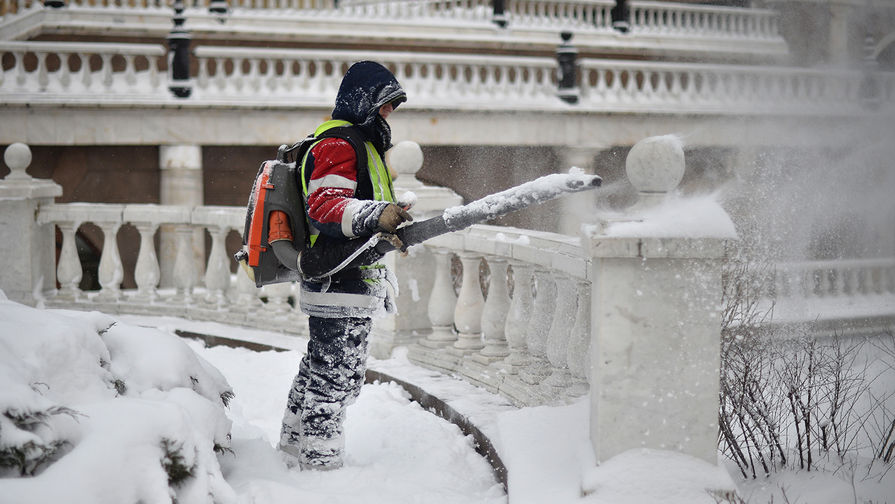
179 55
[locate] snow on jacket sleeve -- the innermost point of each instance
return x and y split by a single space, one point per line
332 207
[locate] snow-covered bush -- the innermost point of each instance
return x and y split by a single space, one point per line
133 409
789 396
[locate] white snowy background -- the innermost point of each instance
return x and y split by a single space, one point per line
112 394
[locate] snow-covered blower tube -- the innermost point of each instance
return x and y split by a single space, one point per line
537 191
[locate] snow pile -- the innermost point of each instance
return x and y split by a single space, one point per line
674 217
644 475
97 411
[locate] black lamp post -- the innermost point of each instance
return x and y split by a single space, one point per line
499 16
219 8
179 55
567 56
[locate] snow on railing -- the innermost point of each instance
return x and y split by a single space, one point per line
703 20
70 71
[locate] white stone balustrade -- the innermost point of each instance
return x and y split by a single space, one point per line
510 350
629 86
117 72
561 14
92 73
703 20
211 294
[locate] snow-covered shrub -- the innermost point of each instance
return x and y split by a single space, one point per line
788 395
133 409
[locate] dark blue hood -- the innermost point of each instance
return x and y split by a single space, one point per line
367 85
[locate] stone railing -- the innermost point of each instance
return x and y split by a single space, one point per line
671 87
839 297
286 75
75 72
651 18
532 346
206 290
99 73
704 20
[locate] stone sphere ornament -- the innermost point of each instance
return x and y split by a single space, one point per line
656 164
405 158
17 157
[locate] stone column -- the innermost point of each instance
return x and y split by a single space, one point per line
655 315
181 184
575 206
842 15
414 271
28 248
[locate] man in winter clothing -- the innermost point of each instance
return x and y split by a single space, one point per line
345 200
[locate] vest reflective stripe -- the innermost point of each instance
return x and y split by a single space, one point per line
380 178
379 175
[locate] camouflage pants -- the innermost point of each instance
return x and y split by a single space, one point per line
329 379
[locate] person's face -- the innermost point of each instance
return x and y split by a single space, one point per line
386 110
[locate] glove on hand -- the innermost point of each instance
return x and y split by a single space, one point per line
391 217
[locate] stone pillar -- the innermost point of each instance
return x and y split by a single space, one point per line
841 21
655 314
28 248
181 185
578 205
414 271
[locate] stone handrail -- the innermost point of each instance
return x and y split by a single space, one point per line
75 72
706 20
835 278
309 75
673 87
532 348
202 292
100 73
651 18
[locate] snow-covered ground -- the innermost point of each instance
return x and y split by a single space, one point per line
119 401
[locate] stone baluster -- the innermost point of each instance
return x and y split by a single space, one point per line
69 272
558 338
536 336
245 298
111 271
277 299
518 317
494 315
579 343
217 271
147 271
470 305
441 303
185 276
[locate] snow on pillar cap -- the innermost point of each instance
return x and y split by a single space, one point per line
656 164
